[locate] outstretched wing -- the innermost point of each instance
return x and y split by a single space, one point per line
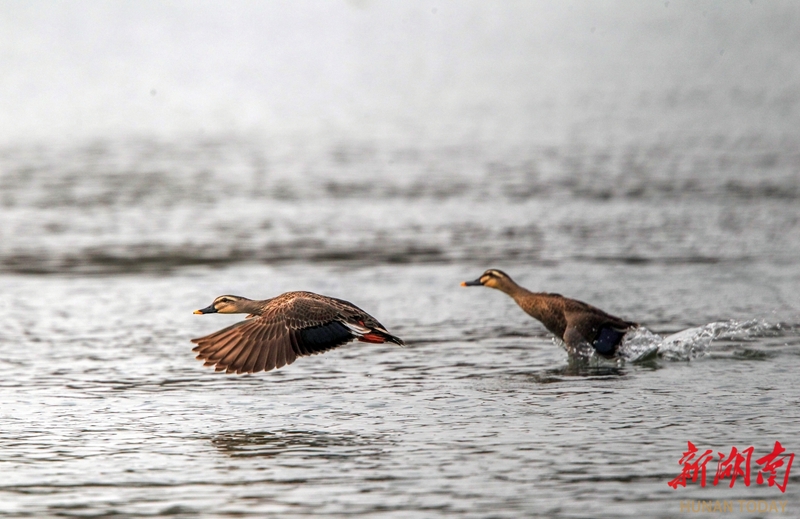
264 343
296 325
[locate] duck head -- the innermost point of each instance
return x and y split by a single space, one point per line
227 305
492 278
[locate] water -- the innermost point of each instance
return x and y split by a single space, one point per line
667 195
106 411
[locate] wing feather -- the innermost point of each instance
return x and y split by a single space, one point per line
261 361
249 363
219 351
295 324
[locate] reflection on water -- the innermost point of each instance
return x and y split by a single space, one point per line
296 443
578 367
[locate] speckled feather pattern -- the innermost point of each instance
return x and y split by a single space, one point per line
557 312
574 322
294 324
570 320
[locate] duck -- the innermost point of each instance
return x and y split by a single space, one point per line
279 330
576 323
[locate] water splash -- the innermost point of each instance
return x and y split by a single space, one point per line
688 344
642 344
639 344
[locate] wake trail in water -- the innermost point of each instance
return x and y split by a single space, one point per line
642 344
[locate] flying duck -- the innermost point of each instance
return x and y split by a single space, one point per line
574 322
279 330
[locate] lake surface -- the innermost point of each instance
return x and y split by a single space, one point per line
666 195
106 412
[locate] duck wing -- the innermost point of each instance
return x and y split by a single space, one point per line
293 325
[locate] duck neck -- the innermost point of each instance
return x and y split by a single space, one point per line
515 291
536 304
249 306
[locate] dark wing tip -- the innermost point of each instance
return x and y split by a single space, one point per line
321 338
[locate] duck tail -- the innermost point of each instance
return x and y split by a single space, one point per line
374 335
380 337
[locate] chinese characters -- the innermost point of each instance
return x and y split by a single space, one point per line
774 469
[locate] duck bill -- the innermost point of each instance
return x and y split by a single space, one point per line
207 310
476 283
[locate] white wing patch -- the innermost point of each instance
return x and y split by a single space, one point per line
357 328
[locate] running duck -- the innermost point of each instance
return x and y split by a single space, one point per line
279 330
574 322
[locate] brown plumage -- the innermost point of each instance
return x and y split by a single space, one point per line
279 330
574 322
